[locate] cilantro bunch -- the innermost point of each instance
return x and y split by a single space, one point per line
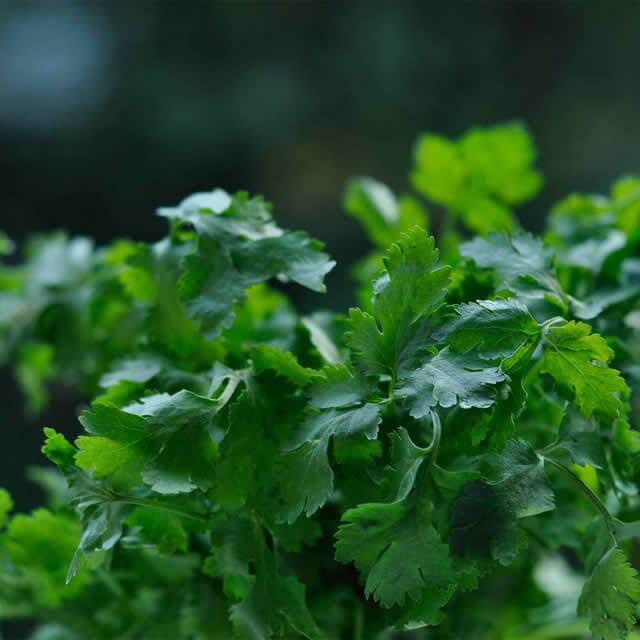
456 458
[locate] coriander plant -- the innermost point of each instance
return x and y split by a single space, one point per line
456 458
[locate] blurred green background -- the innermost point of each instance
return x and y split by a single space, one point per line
110 109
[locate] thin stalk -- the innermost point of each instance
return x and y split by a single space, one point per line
358 622
597 503
434 447
152 504
548 449
555 320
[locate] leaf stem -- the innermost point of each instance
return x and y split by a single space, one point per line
434 447
597 503
152 504
358 622
551 321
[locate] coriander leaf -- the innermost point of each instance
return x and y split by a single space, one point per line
604 298
426 611
440 170
610 596
580 438
337 387
160 528
275 604
397 553
517 474
483 520
380 213
140 368
210 285
406 460
522 264
239 473
412 286
374 204
291 257
224 562
306 475
570 352
284 363
496 328
163 439
499 158
320 339
218 214
6 244
58 449
41 546
6 504
479 176
626 198
448 379
592 253
239 245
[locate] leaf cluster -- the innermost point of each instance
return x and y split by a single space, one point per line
248 472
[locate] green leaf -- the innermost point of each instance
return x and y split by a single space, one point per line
610 596
440 169
580 438
238 245
499 160
6 504
34 370
480 176
211 285
517 474
398 554
496 328
337 387
375 206
592 252
6 245
577 359
406 460
306 475
160 528
483 522
413 285
522 264
284 363
320 339
140 368
626 197
450 379
275 605
58 449
42 545
163 440
223 562
239 473
380 213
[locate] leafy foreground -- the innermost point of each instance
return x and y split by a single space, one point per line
455 459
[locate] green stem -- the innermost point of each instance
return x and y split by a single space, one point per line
434 447
547 323
597 503
232 385
152 504
358 622
548 449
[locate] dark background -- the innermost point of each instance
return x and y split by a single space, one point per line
109 109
